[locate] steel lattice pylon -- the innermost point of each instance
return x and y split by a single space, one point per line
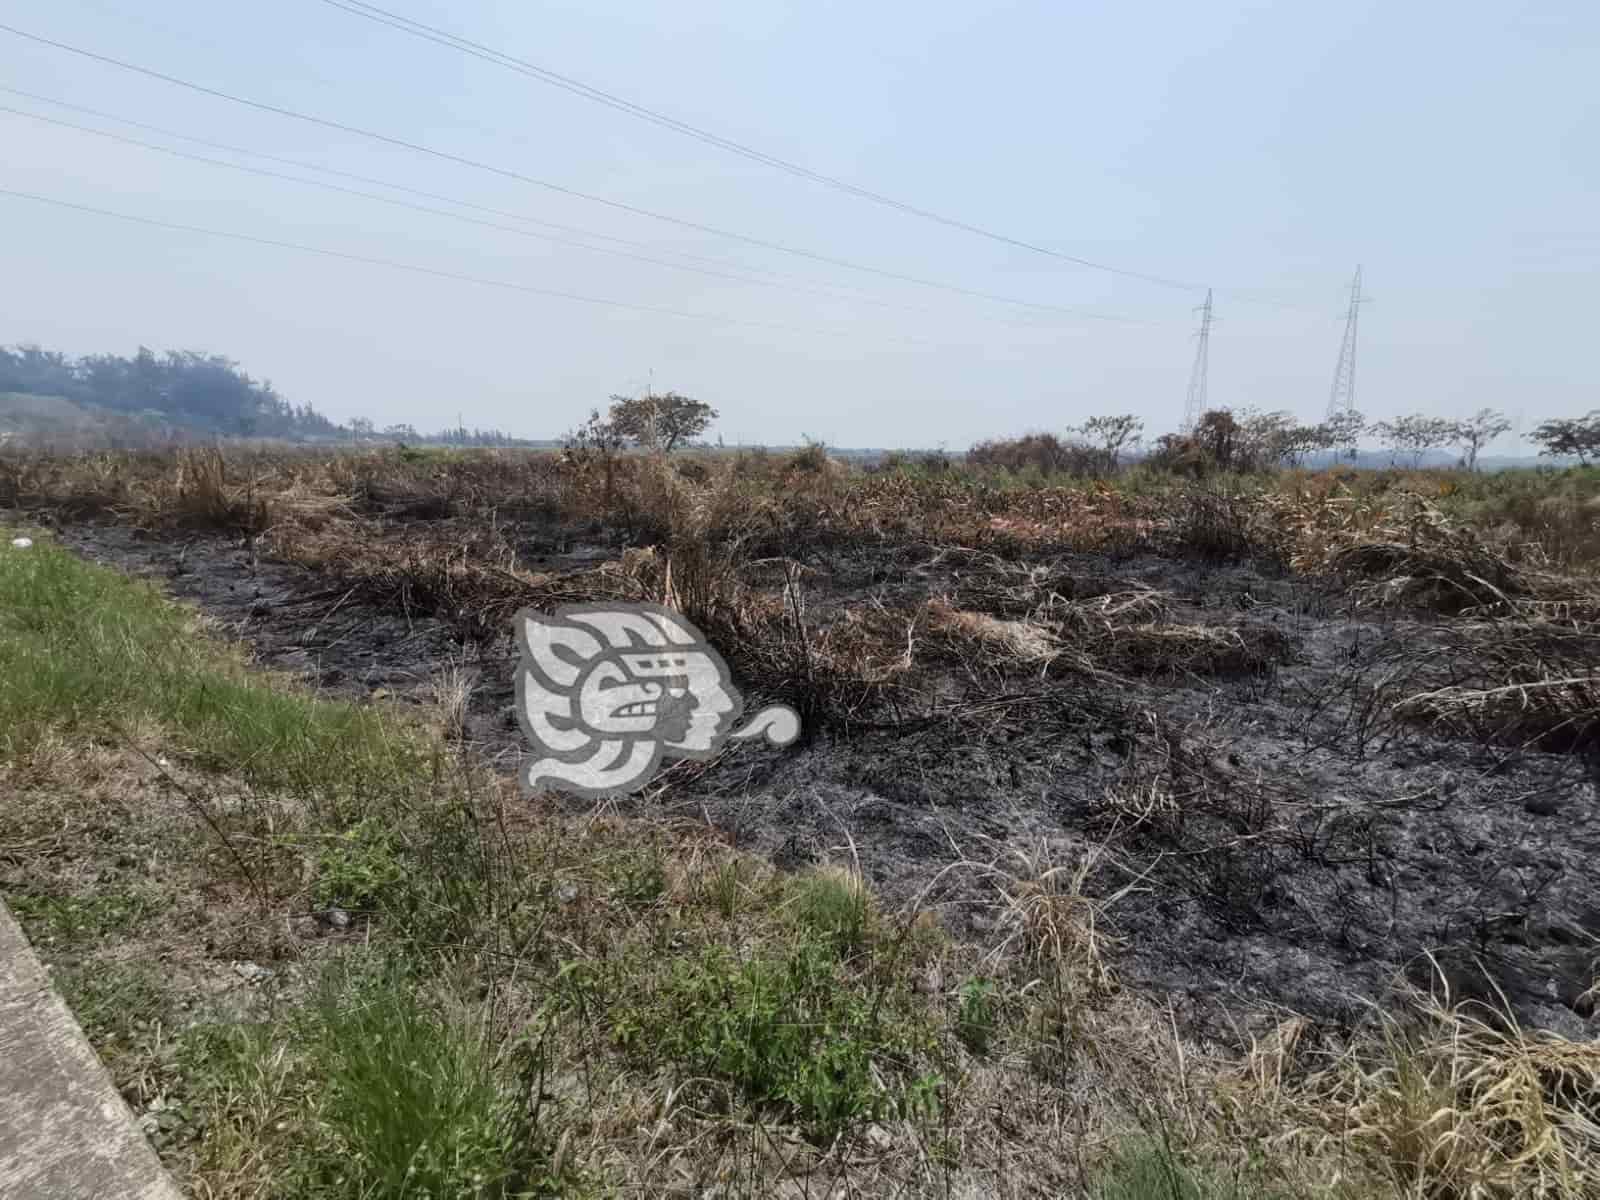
1342 398
1196 405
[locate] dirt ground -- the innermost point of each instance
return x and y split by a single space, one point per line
1267 835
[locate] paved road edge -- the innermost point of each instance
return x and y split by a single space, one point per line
64 1130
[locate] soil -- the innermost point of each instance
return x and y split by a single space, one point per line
1266 836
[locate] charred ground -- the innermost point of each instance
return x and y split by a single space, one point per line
1298 745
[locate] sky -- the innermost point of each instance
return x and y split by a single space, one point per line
1261 149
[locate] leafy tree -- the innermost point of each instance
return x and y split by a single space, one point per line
1416 434
1478 431
1570 437
660 421
1112 433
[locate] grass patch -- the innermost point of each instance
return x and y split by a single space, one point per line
788 1032
413 1098
1152 1171
833 905
87 651
64 921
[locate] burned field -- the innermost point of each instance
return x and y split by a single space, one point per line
1294 749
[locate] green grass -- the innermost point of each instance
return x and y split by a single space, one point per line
1153 1171
413 1098
832 905
73 920
789 1033
86 651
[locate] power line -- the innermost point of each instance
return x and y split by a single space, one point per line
386 183
436 272
506 173
721 265
442 37
440 212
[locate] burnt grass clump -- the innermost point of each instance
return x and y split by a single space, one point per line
1296 751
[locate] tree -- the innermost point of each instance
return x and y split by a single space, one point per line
1217 435
1341 431
1112 434
1478 431
598 437
1416 434
1570 437
660 421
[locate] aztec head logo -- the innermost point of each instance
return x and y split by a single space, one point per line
606 691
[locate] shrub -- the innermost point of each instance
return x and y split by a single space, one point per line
1042 452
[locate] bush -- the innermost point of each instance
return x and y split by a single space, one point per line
1042 452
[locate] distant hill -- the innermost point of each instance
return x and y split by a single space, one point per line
49 398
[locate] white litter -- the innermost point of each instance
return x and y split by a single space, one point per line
21 543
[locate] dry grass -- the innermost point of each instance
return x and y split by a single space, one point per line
1458 1101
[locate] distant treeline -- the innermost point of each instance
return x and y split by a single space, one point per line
207 395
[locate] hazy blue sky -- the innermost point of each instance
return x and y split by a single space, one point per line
1264 148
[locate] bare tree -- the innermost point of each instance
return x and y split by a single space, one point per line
1341 432
1416 434
1478 431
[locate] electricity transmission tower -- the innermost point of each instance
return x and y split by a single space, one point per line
1342 398
1195 408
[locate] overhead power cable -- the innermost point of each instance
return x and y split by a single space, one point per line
372 12
455 216
506 173
435 272
399 187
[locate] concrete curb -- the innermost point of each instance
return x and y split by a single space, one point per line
65 1133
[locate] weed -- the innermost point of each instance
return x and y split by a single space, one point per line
726 888
639 876
977 1016
360 867
786 1031
832 904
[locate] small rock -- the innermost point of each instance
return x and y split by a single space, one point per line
1542 806
251 973
335 918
